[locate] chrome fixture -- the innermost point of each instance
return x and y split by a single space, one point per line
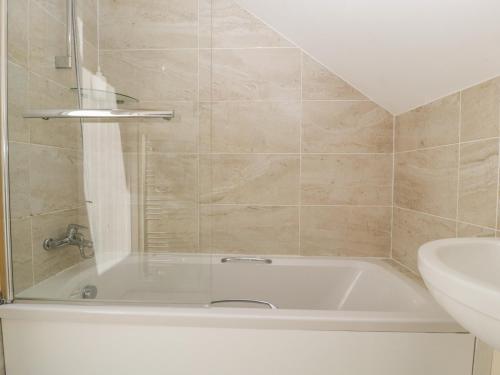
73 238
47 114
246 260
89 292
268 304
66 62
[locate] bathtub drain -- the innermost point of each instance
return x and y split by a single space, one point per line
89 292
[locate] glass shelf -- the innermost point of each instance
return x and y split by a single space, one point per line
102 96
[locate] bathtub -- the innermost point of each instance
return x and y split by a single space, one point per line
193 314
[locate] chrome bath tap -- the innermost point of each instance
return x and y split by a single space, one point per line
73 238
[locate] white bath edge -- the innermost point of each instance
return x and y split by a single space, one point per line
228 318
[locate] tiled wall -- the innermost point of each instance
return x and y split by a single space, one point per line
446 170
45 156
269 153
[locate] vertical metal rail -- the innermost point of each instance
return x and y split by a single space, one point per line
66 62
7 287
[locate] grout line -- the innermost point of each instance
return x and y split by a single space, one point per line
46 146
211 72
300 146
47 13
393 179
46 213
444 218
406 267
48 79
448 145
459 161
284 100
292 205
290 153
173 153
423 213
498 186
168 49
32 253
98 31
198 164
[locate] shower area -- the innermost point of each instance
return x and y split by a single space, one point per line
157 134
105 147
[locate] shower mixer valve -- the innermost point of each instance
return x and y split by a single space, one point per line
73 238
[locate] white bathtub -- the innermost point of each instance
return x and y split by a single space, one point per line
153 312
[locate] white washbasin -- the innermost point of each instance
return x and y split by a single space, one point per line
463 274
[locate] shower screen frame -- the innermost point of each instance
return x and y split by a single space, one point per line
6 281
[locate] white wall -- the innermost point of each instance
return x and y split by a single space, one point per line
401 54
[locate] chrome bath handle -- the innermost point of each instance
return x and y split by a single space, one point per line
246 260
268 304
47 114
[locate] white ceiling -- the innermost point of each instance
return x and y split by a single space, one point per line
400 53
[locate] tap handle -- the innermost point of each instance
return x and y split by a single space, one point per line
74 228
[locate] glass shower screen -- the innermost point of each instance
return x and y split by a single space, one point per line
108 106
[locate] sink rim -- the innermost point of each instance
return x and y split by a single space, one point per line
465 289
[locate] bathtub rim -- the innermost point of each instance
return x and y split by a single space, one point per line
151 313
317 320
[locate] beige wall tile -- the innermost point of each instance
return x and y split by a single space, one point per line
250 229
319 83
205 26
87 11
17 99
22 257
56 8
152 75
131 141
141 24
45 94
260 74
48 263
468 230
47 40
205 74
171 227
248 127
55 179
179 135
346 126
412 229
434 124
171 177
19 175
17 33
481 111
250 179
89 60
346 231
478 181
235 27
426 180
347 179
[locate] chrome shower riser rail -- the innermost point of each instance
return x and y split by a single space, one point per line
47 114
66 62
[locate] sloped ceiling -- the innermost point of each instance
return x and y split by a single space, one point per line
399 53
